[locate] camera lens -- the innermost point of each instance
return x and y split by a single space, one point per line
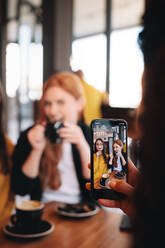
114 153
52 132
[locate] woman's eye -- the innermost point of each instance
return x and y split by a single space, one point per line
46 103
60 102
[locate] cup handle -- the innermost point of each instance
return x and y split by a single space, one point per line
14 220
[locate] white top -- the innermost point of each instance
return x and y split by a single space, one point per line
69 191
119 166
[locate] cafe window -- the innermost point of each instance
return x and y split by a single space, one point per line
89 55
88 17
115 64
126 62
89 41
24 63
126 67
12 69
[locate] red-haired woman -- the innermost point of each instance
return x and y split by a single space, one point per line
117 162
50 171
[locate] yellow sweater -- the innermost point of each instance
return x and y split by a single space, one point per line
6 198
94 99
100 167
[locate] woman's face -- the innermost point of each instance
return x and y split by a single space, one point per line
59 105
99 145
117 148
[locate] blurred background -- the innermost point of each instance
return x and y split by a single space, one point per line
38 38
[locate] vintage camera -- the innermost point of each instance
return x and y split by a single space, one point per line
52 132
114 154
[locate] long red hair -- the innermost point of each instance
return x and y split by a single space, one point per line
49 173
120 143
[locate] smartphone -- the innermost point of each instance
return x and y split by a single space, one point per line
109 160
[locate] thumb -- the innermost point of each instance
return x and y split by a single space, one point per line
88 186
122 187
43 123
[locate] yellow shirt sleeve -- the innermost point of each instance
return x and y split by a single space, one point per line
6 196
93 103
10 146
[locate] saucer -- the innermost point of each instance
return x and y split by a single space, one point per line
44 229
77 210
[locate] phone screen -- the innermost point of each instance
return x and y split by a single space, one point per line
108 156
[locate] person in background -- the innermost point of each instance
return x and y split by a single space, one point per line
147 197
50 171
117 161
100 161
150 216
6 150
94 99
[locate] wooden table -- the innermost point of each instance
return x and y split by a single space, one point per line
99 231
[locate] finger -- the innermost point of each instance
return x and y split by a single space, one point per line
133 173
131 164
69 140
39 128
65 132
43 123
67 124
39 132
108 203
122 186
69 129
88 186
67 135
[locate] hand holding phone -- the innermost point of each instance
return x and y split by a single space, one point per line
110 142
120 186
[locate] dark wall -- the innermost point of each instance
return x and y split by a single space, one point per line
57 35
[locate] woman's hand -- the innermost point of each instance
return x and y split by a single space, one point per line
98 153
36 137
111 155
124 187
119 154
111 158
72 133
124 204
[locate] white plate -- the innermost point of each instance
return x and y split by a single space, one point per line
11 231
79 215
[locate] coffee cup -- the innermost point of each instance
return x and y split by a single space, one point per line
103 179
28 214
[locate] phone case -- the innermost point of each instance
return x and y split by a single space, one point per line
108 156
